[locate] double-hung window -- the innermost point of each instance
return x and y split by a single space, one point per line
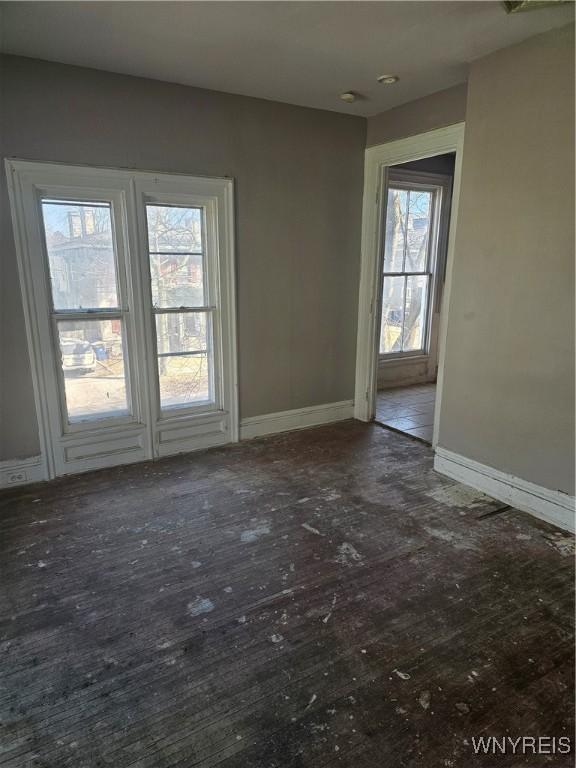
87 307
410 267
180 301
128 287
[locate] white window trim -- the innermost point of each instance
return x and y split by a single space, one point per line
25 179
376 164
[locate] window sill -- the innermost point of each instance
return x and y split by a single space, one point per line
408 360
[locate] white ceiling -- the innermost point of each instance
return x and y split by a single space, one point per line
298 52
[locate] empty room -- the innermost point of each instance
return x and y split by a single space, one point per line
287 363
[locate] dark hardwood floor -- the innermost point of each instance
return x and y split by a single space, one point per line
321 598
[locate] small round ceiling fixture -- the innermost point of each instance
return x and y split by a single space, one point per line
348 96
388 79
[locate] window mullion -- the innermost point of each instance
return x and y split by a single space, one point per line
176 310
88 314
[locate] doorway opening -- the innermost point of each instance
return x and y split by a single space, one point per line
405 290
416 218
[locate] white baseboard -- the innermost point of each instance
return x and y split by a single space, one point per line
22 472
300 418
33 470
552 506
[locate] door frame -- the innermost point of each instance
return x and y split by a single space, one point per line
137 438
376 163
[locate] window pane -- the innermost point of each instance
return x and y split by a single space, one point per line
392 315
178 332
415 313
184 380
419 212
177 280
395 230
176 263
92 359
174 229
80 250
184 370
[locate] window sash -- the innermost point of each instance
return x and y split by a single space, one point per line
113 200
208 252
429 272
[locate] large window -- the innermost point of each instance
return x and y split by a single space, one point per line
86 311
128 287
183 319
409 263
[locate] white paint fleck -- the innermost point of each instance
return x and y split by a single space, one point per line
196 563
277 638
241 620
564 544
313 530
348 555
227 589
424 699
458 496
41 564
199 606
458 541
326 618
247 537
165 644
312 700
402 675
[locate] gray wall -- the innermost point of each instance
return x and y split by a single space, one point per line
299 200
438 164
433 111
509 374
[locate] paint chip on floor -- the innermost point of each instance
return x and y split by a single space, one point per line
199 606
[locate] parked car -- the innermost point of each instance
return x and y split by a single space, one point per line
77 355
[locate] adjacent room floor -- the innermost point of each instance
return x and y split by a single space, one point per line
408 409
314 599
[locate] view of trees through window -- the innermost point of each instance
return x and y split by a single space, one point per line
406 278
80 246
175 241
82 266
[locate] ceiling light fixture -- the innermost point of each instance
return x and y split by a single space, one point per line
348 96
388 79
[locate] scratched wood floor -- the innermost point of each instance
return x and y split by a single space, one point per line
320 598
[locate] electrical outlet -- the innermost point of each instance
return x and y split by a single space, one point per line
16 477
